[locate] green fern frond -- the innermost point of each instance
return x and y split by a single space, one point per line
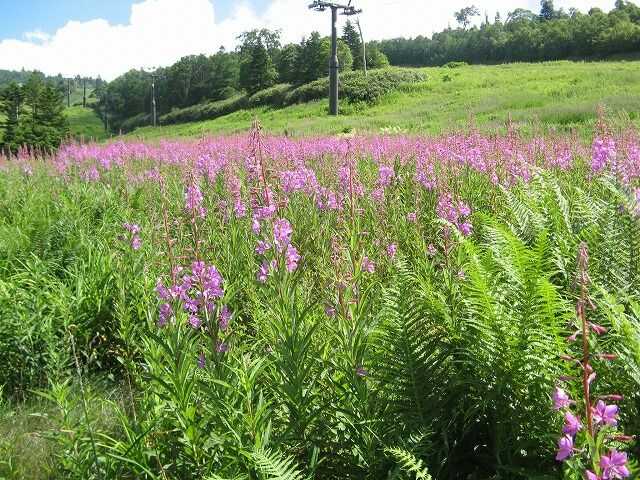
276 466
408 462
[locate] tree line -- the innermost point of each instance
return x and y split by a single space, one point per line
32 114
523 36
260 61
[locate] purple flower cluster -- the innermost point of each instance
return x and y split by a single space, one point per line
282 246
368 265
134 234
193 201
455 213
196 292
603 152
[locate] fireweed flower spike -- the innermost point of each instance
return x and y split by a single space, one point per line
368 265
601 419
292 258
225 317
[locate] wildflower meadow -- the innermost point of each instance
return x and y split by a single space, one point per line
352 307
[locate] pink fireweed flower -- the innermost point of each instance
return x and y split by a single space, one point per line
461 275
282 232
614 465
412 217
565 448
378 194
329 311
201 361
464 209
194 321
292 258
431 250
133 228
368 265
163 292
605 414
211 282
392 249
361 372
385 175
603 151
572 424
193 201
255 226
589 475
560 399
136 242
262 247
465 228
225 317
263 272
446 210
166 312
222 347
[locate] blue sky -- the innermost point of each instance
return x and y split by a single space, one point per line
110 37
22 16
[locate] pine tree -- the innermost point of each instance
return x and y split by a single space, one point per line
257 71
311 64
352 38
51 119
11 100
34 115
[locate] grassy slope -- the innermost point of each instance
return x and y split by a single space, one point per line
561 95
84 123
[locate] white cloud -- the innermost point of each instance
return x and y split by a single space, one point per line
161 31
37 36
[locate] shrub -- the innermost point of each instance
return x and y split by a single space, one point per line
273 96
140 120
455 65
356 86
205 111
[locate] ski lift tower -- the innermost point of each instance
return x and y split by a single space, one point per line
321 6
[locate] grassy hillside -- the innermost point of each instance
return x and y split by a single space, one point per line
84 123
553 95
76 96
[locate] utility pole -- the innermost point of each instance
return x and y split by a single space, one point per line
153 97
321 6
364 48
106 112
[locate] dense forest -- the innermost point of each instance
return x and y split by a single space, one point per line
524 36
62 83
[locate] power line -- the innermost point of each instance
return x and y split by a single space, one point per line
321 6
